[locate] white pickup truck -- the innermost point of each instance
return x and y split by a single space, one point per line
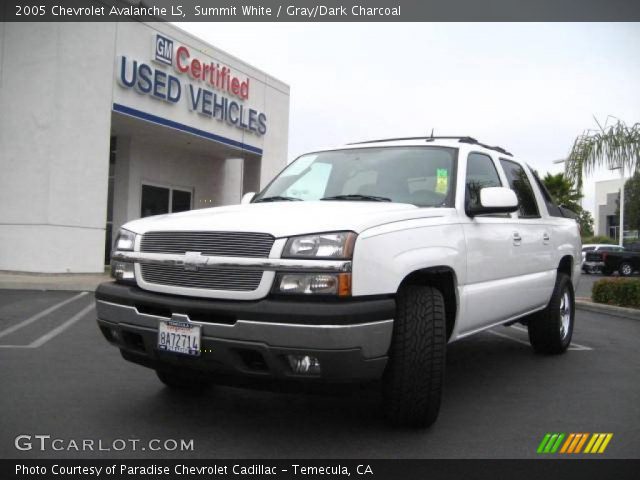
354 264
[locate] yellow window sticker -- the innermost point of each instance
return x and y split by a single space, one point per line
442 180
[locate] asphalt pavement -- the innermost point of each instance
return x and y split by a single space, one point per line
60 378
586 284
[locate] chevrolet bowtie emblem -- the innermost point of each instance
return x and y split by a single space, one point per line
193 261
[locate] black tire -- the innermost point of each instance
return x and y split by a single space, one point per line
625 269
413 379
547 332
183 381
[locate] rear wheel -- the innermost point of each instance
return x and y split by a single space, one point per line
626 269
550 330
183 381
415 371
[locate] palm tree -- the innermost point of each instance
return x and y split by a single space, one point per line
563 191
614 146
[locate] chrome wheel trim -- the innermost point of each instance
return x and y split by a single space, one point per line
565 314
626 269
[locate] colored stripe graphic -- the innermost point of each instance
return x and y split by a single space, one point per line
581 442
555 447
572 443
543 442
568 442
598 443
550 443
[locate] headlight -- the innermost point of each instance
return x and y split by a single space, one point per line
123 271
125 240
314 283
336 245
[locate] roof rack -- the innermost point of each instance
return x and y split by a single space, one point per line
461 139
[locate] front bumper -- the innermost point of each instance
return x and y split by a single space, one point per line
251 339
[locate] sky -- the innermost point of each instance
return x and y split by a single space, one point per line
528 87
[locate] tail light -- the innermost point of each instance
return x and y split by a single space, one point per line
604 256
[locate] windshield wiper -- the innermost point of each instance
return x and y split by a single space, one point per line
278 198
357 196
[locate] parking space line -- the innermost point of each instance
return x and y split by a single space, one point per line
573 346
40 315
38 342
60 328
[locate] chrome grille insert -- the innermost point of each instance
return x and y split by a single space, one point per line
223 244
207 278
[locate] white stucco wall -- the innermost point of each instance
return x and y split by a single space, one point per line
55 100
604 188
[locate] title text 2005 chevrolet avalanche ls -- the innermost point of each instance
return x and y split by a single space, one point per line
354 264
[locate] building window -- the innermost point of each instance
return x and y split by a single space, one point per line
158 200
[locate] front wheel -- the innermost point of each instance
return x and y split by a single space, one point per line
626 269
414 375
550 330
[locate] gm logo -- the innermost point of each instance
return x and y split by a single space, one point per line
163 50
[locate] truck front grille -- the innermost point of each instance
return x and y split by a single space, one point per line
223 244
207 278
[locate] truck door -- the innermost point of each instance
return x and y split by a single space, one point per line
504 273
535 269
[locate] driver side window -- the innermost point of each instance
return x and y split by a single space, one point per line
481 173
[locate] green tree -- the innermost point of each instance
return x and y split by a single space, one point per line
563 191
586 223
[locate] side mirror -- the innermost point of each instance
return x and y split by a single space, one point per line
495 200
247 197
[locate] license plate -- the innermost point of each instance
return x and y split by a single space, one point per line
179 337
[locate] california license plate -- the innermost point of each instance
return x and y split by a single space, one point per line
179 337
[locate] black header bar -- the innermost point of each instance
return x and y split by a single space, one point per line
320 10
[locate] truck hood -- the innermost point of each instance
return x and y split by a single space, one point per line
283 219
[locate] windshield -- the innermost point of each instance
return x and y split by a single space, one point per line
423 176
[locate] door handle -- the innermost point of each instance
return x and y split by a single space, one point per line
545 238
517 239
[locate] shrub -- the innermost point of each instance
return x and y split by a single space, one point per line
617 291
598 239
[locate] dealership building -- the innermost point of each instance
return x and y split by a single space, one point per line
103 123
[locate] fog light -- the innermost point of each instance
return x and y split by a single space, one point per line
122 271
115 334
304 364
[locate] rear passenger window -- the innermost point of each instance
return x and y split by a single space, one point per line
552 208
481 173
519 183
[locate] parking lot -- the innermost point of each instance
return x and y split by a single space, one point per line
60 378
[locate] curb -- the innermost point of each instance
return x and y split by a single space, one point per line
613 310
